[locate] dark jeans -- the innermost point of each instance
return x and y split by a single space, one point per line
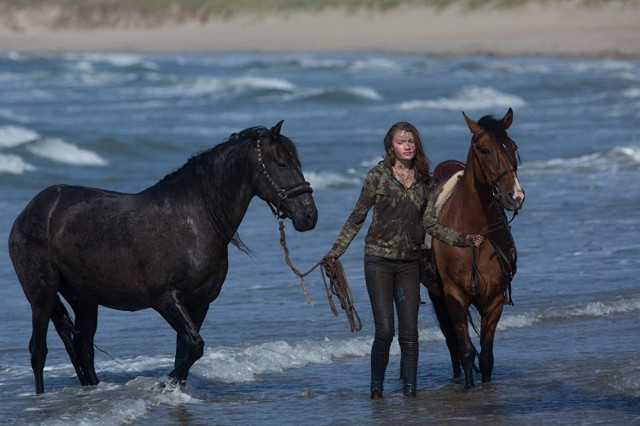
394 281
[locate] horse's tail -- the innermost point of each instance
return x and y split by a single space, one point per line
62 320
67 330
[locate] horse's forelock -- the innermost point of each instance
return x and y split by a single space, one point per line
495 126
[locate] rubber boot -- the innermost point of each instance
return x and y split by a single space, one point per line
379 361
409 366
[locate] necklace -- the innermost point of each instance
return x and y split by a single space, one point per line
406 176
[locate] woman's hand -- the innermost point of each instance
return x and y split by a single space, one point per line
475 240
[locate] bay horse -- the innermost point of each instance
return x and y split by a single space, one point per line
165 248
480 277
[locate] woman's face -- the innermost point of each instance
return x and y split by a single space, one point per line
404 145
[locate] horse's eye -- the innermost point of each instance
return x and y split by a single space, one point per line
485 150
282 164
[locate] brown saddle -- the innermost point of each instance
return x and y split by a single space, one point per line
446 169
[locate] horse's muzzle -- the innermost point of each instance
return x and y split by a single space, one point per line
514 203
305 215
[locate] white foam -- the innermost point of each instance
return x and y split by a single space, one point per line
360 92
468 98
217 86
14 164
12 136
7 113
235 365
609 161
123 60
64 152
365 93
330 180
94 79
632 92
374 64
117 404
597 309
627 379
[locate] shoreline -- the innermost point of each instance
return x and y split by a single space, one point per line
568 29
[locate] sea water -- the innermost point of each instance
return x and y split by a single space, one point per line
568 352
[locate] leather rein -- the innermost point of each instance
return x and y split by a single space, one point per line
338 285
507 263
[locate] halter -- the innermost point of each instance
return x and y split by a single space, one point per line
282 191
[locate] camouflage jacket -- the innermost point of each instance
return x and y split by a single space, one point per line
400 218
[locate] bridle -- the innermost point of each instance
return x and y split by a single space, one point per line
507 263
283 192
338 284
493 184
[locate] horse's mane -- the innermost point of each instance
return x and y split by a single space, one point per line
218 170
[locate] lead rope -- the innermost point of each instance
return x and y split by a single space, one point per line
502 223
338 284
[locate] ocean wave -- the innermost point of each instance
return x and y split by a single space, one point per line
12 136
118 404
207 86
86 61
95 79
627 378
468 98
336 94
14 164
518 67
591 309
616 66
65 152
10 115
146 387
331 180
374 64
244 363
632 92
322 63
612 160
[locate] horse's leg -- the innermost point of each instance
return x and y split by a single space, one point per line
449 332
176 314
86 323
66 330
490 318
182 345
41 308
40 285
459 312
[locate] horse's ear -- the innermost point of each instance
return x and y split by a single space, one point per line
473 126
275 130
507 119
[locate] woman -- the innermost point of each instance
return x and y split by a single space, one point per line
397 188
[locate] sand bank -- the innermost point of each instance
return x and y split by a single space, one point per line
565 29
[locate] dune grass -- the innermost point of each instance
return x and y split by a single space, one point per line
88 13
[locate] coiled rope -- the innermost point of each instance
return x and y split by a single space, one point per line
338 285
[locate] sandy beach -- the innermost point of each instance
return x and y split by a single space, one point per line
567 29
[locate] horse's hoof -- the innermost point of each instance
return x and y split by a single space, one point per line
376 394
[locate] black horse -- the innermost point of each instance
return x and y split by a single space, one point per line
164 248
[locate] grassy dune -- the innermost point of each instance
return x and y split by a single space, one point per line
108 13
